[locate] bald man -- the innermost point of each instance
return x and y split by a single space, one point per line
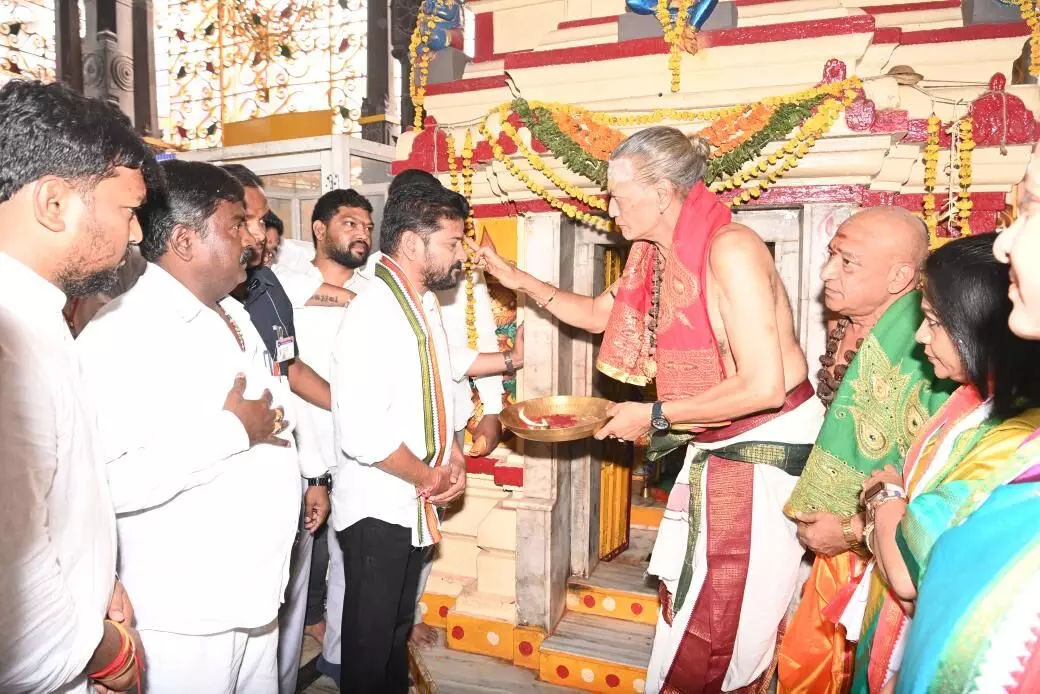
870 289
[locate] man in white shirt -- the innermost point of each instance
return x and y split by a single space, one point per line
342 226
392 383
192 459
73 171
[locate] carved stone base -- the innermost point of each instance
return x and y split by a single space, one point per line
447 65
644 26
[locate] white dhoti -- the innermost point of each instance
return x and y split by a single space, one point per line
241 661
293 612
773 566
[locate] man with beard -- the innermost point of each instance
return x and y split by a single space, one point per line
393 411
270 309
342 230
341 225
196 448
73 172
274 230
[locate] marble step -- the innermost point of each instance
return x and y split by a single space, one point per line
617 590
596 654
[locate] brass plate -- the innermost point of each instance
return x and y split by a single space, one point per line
592 411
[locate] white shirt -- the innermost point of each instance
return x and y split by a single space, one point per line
301 279
57 527
377 404
206 523
453 309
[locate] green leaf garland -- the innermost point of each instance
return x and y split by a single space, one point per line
541 124
781 123
784 119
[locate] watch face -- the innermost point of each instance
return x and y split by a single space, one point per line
659 423
874 490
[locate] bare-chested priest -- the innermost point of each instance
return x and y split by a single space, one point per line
700 310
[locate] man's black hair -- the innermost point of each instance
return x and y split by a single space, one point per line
244 175
968 290
273 221
410 177
49 130
418 177
193 191
419 209
327 206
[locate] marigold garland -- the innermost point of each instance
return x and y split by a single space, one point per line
931 169
674 28
539 165
538 189
777 164
424 26
964 150
594 138
800 119
538 119
1027 8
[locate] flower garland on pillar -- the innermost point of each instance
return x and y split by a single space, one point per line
467 192
674 28
931 169
424 26
1028 10
964 150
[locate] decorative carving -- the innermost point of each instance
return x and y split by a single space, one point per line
861 113
122 71
834 71
999 118
93 70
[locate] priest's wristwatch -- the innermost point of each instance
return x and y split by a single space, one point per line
323 481
658 422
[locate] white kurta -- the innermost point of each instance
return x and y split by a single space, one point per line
773 568
58 543
378 405
184 478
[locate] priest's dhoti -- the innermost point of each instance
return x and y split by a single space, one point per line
743 547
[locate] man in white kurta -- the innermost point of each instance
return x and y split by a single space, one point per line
392 382
72 167
205 479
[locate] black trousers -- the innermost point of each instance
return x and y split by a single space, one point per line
382 575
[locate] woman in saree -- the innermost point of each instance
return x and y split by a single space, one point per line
963 453
977 623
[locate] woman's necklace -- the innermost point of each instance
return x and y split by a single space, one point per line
832 373
233 326
651 321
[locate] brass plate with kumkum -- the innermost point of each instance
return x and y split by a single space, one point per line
557 418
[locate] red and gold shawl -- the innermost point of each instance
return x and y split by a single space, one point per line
688 361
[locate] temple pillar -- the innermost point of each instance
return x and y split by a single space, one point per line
403 14
543 520
374 126
120 34
69 45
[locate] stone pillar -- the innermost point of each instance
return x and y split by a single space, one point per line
117 32
543 553
377 84
146 113
69 45
403 14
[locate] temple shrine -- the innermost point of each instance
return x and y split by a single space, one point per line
934 107
815 108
